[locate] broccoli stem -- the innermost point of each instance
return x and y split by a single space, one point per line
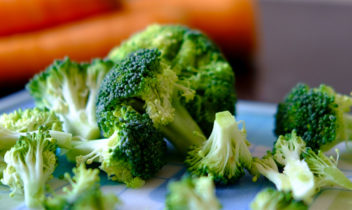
9 138
338 177
82 127
348 125
183 132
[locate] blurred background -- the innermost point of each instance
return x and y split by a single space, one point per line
271 44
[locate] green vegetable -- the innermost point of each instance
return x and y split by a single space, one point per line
319 115
192 193
201 70
325 170
84 193
287 152
30 164
268 168
132 152
70 90
270 199
143 82
225 154
20 122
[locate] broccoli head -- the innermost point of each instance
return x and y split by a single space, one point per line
225 154
319 115
145 83
270 199
192 193
132 152
20 122
198 64
325 170
30 164
85 193
70 90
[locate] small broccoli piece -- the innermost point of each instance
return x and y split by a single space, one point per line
148 85
198 64
132 151
270 199
268 168
31 120
192 193
85 193
325 170
288 147
30 164
225 154
20 122
287 152
70 90
319 115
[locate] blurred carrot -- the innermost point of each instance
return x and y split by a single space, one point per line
27 15
231 23
21 56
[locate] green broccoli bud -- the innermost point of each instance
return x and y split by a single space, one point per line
325 170
225 154
70 89
132 151
20 122
270 199
192 193
30 164
146 83
319 115
198 64
84 193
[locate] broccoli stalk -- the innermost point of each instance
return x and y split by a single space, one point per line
270 199
268 168
9 138
30 164
192 193
70 90
225 154
84 193
183 131
325 170
319 115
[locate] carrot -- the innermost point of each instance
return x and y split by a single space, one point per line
230 23
21 56
18 16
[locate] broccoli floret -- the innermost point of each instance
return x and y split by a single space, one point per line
70 90
192 193
225 154
319 115
198 64
270 199
287 152
268 168
148 85
30 164
288 147
20 122
84 193
132 152
325 170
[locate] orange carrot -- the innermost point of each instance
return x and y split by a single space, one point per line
21 56
230 23
18 16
